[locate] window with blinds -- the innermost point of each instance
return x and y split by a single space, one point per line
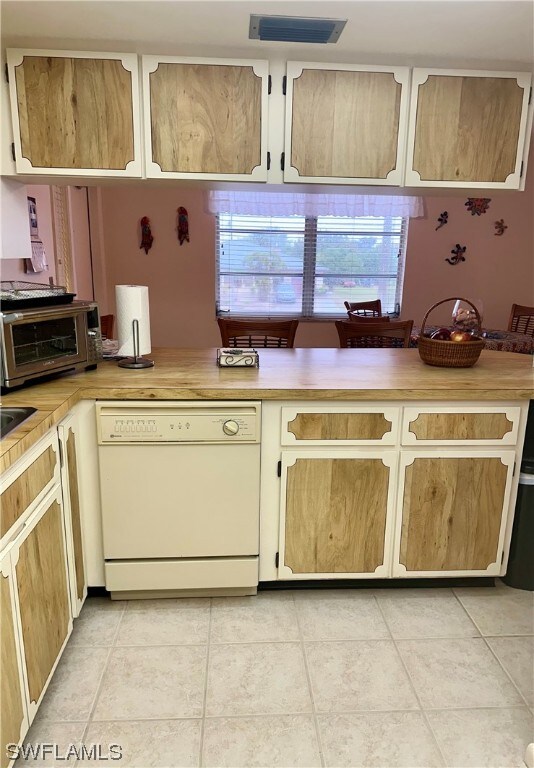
307 267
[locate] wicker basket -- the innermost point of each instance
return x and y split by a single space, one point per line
450 354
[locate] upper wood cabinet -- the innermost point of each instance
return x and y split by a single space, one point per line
205 118
467 128
345 124
75 113
339 425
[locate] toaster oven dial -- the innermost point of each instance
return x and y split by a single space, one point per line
230 427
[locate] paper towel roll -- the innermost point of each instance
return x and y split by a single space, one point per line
132 304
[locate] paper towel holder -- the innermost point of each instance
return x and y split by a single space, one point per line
136 361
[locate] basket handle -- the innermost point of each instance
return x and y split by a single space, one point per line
452 298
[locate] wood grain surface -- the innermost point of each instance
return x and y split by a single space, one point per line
74 496
452 512
11 710
75 113
345 124
339 426
461 426
284 374
43 597
22 491
467 128
336 515
205 118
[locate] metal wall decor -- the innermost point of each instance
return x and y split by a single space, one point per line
457 254
477 205
146 235
500 228
443 219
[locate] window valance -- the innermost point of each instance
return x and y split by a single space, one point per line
259 203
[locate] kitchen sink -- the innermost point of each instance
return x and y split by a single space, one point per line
10 418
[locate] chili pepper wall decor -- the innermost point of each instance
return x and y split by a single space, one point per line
457 254
146 235
183 225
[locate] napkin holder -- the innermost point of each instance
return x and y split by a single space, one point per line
238 358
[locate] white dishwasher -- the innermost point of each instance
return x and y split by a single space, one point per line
180 485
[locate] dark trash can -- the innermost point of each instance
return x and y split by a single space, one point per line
520 573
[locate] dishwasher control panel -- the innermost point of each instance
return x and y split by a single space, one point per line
178 423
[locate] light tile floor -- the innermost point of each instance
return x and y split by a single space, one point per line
381 678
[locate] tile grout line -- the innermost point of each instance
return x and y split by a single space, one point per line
106 665
484 638
412 685
322 756
204 700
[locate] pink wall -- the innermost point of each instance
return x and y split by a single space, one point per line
181 279
13 269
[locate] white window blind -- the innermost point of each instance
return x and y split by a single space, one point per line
307 266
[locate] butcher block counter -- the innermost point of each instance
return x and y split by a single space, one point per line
284 374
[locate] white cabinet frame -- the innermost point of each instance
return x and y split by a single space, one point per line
260 68
129 61
389 459
395 176
391 414
497 568
512 413
53 496
70 424
7 570
514 180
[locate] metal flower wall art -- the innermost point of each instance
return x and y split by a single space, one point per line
477 205
457 254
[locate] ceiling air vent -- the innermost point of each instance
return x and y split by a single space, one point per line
295 29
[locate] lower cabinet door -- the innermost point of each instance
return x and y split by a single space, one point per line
42 595
72 506
452 512
13 710
336 514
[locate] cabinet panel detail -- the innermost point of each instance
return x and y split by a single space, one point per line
335 518
75 113
461 426
339 426
21 493
74 495
452 512
205 118
12 715
41 573
345 123
467 128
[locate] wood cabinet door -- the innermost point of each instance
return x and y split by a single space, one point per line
461 425
75 113
73 522
40 566
13 710
336 514
452 512
467 129
205 118
345 124
308 425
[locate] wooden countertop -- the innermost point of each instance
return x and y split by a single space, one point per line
284 374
